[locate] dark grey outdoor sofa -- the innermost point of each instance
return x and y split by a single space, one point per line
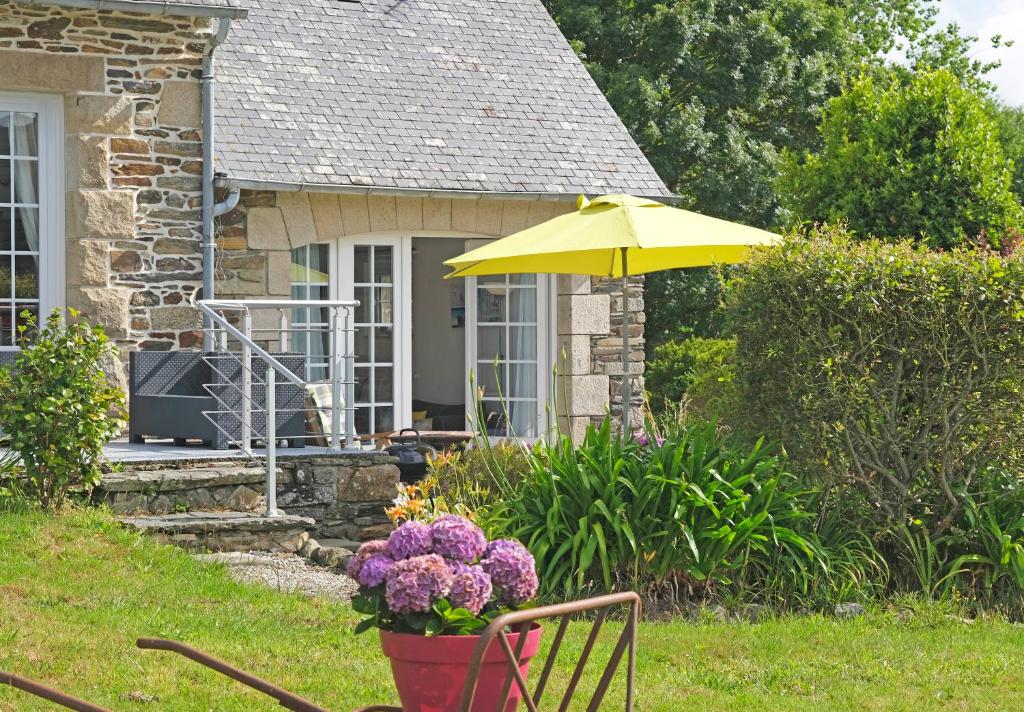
167 398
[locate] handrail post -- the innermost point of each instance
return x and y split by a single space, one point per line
246 429
271 381
282 328
337 339
350 380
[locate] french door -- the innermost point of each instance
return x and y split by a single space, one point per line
508 347
31 210
376 272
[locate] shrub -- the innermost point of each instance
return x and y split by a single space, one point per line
58 408
675 516
919 160
675 365
884 366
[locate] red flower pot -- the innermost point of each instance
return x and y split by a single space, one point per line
430 673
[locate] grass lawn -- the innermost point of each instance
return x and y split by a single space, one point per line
76 591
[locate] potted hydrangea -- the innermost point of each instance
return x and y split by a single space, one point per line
431 589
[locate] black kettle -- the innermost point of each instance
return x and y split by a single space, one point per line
412 457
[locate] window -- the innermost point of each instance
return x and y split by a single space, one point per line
507 357
31 210
373 268
310 279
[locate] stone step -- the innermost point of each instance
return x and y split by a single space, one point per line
198 489
225 531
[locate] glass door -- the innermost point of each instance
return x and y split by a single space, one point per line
31 271
507 316
374 271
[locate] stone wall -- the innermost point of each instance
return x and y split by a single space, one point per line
254 256
132 157
344 494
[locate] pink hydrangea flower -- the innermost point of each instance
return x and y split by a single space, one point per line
471 588
411 539
368 549
512 571
415 584
374 570
458 539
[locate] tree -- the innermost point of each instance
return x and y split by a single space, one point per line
1010 120
921 159
712 90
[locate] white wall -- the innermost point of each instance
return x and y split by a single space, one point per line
438 348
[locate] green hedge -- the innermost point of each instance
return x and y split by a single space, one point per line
884 367
678 363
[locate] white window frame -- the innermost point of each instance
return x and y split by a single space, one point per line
342 281
546 344
341 284
50 110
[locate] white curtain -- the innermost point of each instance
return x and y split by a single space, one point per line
26 144
522 377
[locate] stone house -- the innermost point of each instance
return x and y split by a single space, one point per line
346 149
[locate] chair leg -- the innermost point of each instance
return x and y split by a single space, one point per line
48 693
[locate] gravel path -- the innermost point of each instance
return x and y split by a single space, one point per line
285 572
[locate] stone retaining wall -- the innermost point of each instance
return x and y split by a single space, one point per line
345 494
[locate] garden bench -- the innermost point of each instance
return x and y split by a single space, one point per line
598 607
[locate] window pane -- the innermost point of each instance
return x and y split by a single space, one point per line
523 278
385 419
25 135
26 229
490 304
361 264
523 416
19 315
382 265
524 343
384 313
26 182
5 133
494 418
522 381
491 378
382 344
6 190
362 340
362 384
26 278
383 385
490 343
6 325
363 420
362 312
5 229
523 305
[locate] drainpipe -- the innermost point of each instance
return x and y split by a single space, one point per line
209 210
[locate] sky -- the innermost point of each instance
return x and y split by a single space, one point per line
985 18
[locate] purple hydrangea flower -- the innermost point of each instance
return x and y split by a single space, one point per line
374 570
471 588
413 585
410 539
458 538
512 571
368 549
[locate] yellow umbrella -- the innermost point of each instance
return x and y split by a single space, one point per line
615 236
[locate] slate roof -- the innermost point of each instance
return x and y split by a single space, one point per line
475 95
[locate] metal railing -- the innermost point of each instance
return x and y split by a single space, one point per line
238 345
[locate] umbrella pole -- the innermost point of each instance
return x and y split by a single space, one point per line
627 395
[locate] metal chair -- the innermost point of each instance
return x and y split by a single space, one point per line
497 630
48 693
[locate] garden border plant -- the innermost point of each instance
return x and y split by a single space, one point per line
57 406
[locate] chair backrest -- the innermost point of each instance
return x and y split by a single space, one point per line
521 621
